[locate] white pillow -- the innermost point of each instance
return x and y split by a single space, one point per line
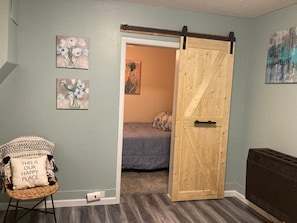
163 121
28 173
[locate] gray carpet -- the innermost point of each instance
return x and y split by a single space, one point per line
155 182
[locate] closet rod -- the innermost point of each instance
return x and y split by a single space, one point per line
172 33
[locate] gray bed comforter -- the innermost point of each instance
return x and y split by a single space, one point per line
145 147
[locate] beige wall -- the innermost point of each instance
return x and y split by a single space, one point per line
157 83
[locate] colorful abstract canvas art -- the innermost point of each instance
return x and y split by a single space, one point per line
282 57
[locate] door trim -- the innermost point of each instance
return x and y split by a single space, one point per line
124 42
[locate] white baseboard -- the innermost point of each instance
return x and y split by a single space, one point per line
83 202
115 200
68 203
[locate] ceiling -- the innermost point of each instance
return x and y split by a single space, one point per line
237 8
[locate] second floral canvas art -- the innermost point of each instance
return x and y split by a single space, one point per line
72 93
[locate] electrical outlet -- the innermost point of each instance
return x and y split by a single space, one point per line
95 196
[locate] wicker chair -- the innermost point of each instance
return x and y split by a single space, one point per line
28 148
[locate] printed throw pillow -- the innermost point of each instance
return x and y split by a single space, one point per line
28 173
163 121
7 168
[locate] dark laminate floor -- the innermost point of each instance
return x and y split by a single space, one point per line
153 208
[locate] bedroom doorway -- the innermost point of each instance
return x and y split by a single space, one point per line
162 90
201 111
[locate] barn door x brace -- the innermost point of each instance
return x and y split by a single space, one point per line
184 32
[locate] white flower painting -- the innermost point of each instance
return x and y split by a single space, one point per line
72 93
72 52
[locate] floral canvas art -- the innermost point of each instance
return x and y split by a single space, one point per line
133 77
72 93
72 52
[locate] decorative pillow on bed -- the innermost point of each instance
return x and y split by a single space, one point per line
28 173
163 121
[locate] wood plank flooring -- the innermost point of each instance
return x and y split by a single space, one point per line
152 208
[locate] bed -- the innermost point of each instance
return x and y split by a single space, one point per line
145 147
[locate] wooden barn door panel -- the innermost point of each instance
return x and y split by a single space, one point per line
204 84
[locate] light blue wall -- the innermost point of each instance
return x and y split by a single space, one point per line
86 141
270 114
12 36
8 38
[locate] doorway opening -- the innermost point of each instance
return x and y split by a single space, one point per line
155 91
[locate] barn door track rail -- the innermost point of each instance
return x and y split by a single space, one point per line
172 33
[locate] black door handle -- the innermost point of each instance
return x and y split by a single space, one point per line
196 123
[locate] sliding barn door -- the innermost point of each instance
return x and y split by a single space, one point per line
202 109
